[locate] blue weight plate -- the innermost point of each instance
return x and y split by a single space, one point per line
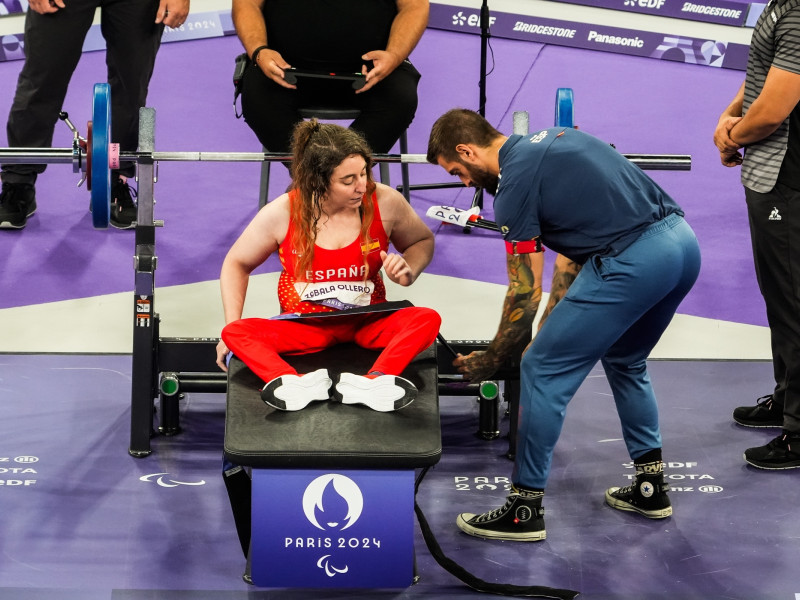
101 172
565 108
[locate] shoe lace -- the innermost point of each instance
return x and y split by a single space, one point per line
124 193
765 401
783 441
626 490
493 514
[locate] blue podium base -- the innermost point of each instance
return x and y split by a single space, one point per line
332 529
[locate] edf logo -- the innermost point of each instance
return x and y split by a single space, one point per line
645 3
473 20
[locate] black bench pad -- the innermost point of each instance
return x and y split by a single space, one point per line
327 435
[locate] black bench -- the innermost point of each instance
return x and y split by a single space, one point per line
363 460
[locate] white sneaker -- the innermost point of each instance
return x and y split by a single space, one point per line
384 393
293 392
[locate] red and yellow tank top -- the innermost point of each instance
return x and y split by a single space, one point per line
337 278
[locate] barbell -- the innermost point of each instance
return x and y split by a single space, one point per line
95 156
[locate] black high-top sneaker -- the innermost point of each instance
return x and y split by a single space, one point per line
520 519
646 496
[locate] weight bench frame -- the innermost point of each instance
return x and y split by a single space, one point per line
189 364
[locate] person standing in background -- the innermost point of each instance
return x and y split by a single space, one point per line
763 120
55 31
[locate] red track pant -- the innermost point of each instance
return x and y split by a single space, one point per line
402 335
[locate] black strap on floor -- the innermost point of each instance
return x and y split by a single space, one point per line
452 567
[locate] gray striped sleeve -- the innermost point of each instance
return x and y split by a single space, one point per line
775 42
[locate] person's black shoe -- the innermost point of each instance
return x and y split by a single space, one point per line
647 495
520 519
766 413
17 203
781 453
123 208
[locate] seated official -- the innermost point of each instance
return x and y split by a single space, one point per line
372 37
332 231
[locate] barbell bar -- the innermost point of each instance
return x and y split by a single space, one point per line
95 156
665 162
65 156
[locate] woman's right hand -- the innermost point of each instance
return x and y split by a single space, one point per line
222 355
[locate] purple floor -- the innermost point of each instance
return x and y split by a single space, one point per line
88 521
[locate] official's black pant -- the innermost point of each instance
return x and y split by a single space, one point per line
53 46
386 110
775 232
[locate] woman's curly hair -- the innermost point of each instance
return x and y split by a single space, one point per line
317 149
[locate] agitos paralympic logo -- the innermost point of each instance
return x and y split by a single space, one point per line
162 480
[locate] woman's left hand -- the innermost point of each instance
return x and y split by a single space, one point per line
397 269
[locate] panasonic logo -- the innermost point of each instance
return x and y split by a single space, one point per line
615 40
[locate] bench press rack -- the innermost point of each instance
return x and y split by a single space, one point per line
168 367
188 364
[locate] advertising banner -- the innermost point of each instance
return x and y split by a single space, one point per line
589 36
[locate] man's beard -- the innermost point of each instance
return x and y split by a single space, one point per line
480 177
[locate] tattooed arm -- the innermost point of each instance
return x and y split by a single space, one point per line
516 323
564 273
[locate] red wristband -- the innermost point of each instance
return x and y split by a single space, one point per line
526 247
